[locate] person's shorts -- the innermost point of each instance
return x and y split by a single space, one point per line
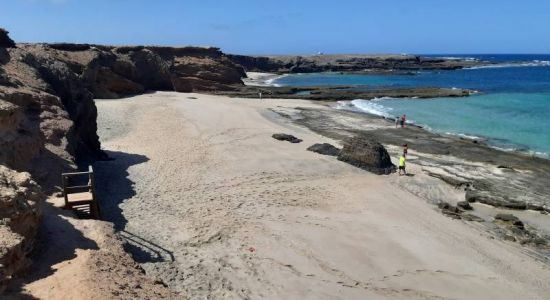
401 167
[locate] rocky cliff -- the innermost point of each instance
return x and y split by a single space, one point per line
48 115
348 63
20 215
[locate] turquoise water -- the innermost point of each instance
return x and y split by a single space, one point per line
512 110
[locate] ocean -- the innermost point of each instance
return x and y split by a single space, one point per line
511 110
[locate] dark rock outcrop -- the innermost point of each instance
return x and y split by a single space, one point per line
493 200
458 211
367 154
513 229
325 149
5 40
464 205
506 218
286 137
348 63
338 93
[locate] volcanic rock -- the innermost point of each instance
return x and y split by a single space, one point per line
325 149
507 218
464 205
367 154
286 137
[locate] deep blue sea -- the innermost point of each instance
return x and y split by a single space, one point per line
511 111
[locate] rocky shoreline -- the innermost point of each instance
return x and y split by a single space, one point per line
370 64
509 182
340 93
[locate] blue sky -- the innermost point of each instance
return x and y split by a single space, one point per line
293 27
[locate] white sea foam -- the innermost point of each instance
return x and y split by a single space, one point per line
458 58
365 106
534 63
466 136
380 98
270 82
371 107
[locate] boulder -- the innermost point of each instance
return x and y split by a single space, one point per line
286 137
367 154
464 205
325 149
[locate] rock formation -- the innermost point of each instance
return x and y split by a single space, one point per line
349 63
286 137
367 154
5 40
48 115
20 216
325 149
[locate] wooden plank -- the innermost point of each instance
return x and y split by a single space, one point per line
78 187
75 173
77 197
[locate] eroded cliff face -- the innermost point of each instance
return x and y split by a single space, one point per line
48 116
47 112
20 216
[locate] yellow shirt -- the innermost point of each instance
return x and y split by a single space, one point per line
402 161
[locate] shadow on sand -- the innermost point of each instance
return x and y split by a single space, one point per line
114 187
57 241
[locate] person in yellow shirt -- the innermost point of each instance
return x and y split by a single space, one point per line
402 161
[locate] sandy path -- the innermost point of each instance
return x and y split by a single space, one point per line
214 207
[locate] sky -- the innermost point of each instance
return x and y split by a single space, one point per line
290 27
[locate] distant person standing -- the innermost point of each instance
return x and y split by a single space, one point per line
397 119
405 149
260 94
402 162
403 119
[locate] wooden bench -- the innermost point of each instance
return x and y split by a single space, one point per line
79 192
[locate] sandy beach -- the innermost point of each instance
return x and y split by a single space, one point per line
214 207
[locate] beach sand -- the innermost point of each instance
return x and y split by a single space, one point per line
214 207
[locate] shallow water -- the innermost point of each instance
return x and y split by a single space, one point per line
511 110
